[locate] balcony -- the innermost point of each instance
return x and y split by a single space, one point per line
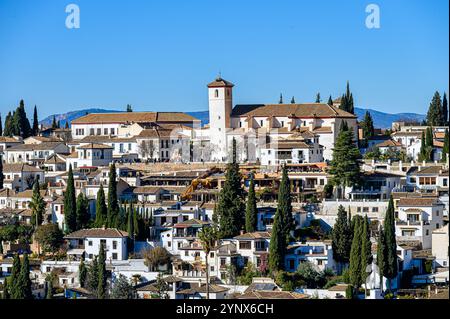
412 223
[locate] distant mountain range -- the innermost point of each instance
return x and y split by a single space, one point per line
380 119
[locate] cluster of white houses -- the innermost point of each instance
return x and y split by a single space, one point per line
181 196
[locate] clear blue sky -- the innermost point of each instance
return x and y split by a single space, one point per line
159 55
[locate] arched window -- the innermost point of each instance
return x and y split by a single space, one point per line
216 93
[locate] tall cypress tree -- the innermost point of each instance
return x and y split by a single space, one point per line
423 148
391 243
82 212
367 126
6 294
101 290
14 289
24 281
381 253
2 177
82 274
70 204
445 110
293 100
355 253
37 205
330 101
251 211
366 248
341 237
277 245
1 125
35 129
101 217
347 103
20 124
281 99
54 123
318 99
113 205
8 125
230 207
130 222
284 206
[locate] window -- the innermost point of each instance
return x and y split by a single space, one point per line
91 131
211 268
358 209
445 182
90 243
114 256
112 131
322 181
105 131
169 244
320 262
427 232
282 123
91 256
365 209
261 123
186 253
223 261
374 209
99 131
245 245
211 255
114 244
216 93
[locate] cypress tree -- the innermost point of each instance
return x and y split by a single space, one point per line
429 137
1 126
54 123
8 125
435 116
92 276
281 99
101 290
423 148
130 222
113 205
100 209
341 237
391 243
82 212
347 103
330 101
355 254
2 177
251 211
366 248
284 206
35 129
445 150
20 124
344 166
277 245
293 100
367 126
444 110
136 223
82 273
66 125
6 294
129 108
14 289
24 281
381 253
230 207
37 205
318 99
70 204
49 294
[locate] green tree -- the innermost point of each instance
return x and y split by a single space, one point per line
391 243
344 166
251 211
445 110
8 125
24 281
130 222
281 99
92 276
230 207
37 205
2 177
367 126
277 245
82 212
122 289
49 237
1 125
129 108
35 129
156 257
102 276
381 253
14 289
54 123
113 205
6 294
70 218
347 103
293 100
355 253
366 248
100 209
82 273
49 293
208 237
318 99
423 148
341 237
435 116
330 101
20 124
284 206
445 150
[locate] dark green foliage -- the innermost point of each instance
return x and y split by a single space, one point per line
100 209
130 222
82 274
54 123
35 129
2 177
230 207
435 115
284 207
367 126
70 218
6 294
23 281
381 255
429 137
102 276
355 266
14 278
349 291
341 237
423 154
8 125
251 211
92 276
1 125
82 212
293 100
129 108
277 245
49 293
445 150
113 205
344 166
37 205
49 237
391 243
366 248
318 99
445 109
122 288
281 99
330 101
20 125
347 103
328 191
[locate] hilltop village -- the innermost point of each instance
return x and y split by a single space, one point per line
286 200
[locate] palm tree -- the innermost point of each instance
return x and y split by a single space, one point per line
208 237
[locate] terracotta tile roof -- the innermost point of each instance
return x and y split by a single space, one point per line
97 233
106 139
147 189
191 222
288 145
323 129
219 82
438 144
7 139
95 146
20 168
33 147
254 235
291 110
419 201
54 159
135 117
29 193
256 294
430 170
389 143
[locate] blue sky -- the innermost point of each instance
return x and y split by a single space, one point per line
159 55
